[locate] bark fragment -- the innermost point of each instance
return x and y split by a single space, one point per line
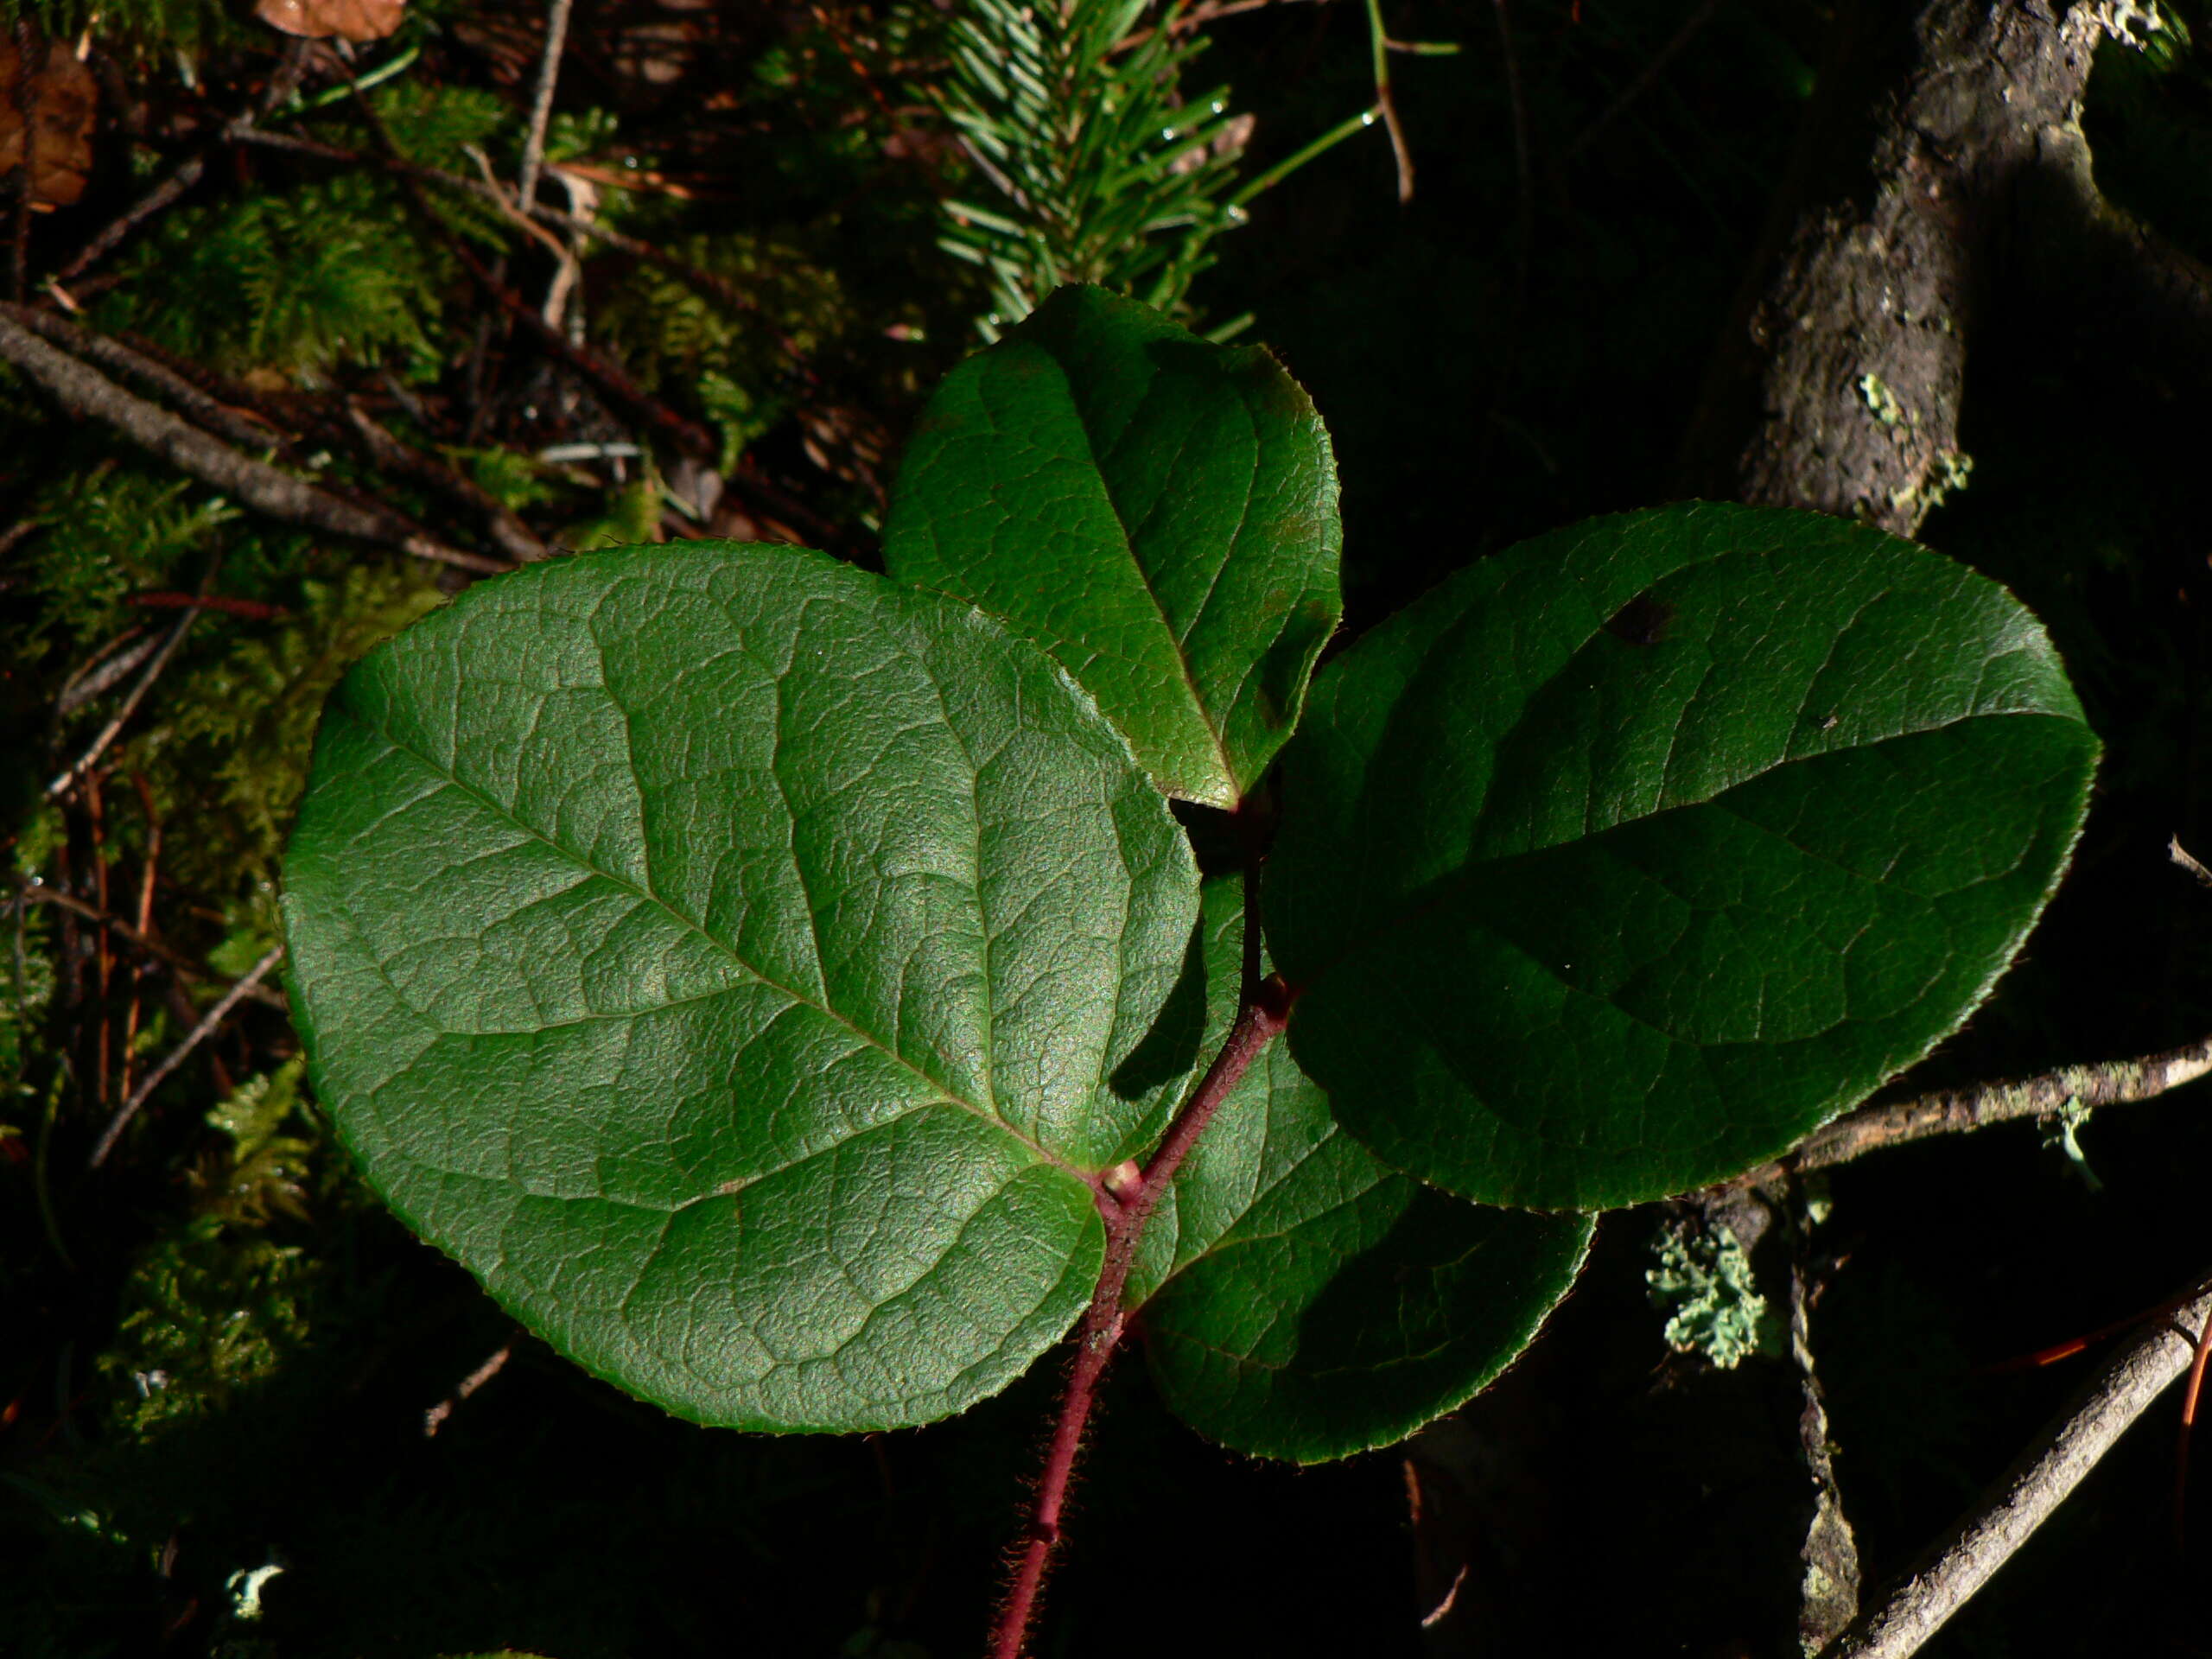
1840 385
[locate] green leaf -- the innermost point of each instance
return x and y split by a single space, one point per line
1300 1300
1625 858
1159 513
739 964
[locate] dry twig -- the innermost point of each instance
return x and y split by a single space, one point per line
83 390
108 353
1911 1612
541 103
1956 1111
183 967
290 68
507 532
435 1418
66 778
176 1057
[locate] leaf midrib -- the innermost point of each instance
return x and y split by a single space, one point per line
1439 889
945 1096
1176 644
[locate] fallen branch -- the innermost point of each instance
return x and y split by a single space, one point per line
1838 382
176 1057
1957 1111
124 656
170 190
246 425
158 379
507 532
82 390
2024 1496
1828 1592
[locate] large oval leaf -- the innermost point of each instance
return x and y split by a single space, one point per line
739 963
1625 858
1159 513
1300 1300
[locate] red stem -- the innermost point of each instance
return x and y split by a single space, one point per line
1266 1010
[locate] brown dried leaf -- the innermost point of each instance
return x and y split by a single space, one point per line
64 101
319 20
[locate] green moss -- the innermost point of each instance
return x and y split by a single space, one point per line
670 334
232 756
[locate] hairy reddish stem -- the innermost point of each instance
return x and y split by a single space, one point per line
1267 1008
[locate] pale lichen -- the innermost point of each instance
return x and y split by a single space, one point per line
1703 1284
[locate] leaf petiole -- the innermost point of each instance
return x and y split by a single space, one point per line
1265 1012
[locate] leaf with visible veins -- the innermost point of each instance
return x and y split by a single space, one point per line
741 963
1629 856
1300 1299
1159 513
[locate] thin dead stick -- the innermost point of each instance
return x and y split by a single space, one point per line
92 796
435 1418
540 104
1905 1617
282 84
189 173
1828 1592
82 390
507 532
1956 1111
607 377
66 778
42 894
182 967
2180 855
703 282
157 379
250 430
106 670
149 865
176 1057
